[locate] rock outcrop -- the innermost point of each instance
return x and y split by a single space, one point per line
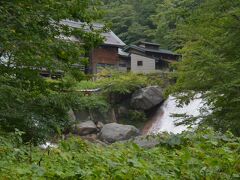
99 125
85 128
147 98
117 132
95 115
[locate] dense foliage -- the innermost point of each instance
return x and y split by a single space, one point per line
206 33
169 16
114 92
202 155
114 88
131 19
120 83
31 41
209 37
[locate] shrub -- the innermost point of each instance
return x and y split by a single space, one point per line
136 116
121 83
201 155
92 102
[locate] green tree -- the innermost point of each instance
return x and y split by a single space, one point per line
30 41
169 15
210 38
131 20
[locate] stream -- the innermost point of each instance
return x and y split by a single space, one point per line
163 121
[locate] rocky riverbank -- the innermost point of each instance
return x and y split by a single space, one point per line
109 127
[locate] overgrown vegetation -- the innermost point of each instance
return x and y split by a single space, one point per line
30 42
121 83
207 34
93 103
131 19
113 95
114 89
201 155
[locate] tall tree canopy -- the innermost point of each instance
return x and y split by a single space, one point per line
32 39
206 33
131 19
169 15
209 36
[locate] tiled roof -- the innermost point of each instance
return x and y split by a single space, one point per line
148 43
122 53
110 37
143 49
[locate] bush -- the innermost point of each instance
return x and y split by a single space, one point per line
136 116
120 83
202 155
92 103
38 114
83 85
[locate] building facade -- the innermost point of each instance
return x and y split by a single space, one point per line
145 57
142 64
104 56
107 54
149 58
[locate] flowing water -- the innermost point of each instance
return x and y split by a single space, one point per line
163 121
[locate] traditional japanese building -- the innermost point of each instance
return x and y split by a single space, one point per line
144 57
107 54
149 57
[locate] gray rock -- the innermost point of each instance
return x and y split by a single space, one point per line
117 132
90 137
147 98
122 110
99 125
94 115
85 128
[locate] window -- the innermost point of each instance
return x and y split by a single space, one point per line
139 63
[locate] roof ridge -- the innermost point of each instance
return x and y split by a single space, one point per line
110 37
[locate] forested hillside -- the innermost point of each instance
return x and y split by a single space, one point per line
131 20
60 121
206 33
208 38
154 21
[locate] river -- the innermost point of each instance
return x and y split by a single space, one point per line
163 121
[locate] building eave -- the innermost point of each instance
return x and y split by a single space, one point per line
110 38
159 51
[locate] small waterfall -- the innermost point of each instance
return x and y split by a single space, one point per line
162 121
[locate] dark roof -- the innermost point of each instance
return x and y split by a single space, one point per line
142 49
148 43
110 37
122 53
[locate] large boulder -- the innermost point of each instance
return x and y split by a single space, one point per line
85 128
147 98
99 125
117 132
